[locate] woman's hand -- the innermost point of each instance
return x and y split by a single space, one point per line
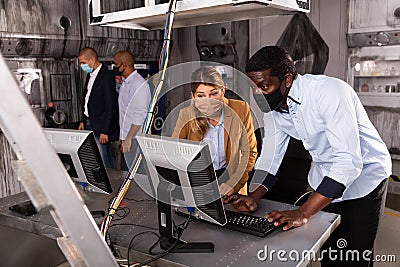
241 203
225 189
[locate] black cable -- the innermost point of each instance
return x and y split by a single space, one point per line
180 232
132 200
177 227
133 224
139 234
182 224
80 26
153 246
64 43
125 211
117 216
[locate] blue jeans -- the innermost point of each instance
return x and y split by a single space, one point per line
105 149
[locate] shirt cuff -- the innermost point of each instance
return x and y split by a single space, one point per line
330 188
262 178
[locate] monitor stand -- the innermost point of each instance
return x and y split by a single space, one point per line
165 226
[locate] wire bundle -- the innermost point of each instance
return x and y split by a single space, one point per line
164 55
179 229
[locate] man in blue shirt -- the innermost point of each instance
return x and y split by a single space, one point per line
350 161
133 101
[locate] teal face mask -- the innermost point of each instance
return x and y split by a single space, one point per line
86 68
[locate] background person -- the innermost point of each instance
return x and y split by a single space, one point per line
225 124
133 100
100 110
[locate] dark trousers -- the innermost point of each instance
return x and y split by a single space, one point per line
353 240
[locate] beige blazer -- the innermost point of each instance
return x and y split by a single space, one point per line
239 140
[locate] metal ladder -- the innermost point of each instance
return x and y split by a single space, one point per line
45 179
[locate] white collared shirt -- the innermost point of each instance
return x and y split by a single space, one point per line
327 116
92 78
214 137
133 100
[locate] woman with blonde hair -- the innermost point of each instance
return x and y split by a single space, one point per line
225 124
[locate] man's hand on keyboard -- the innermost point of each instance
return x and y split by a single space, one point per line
292 218
241 203
299 217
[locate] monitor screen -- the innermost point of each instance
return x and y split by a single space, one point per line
81 158
186 167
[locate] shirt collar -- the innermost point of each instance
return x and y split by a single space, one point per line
221 119
95 71
295 92
130 77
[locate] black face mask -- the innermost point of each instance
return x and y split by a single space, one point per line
116 70
273 99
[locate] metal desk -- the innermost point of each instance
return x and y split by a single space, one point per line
281 248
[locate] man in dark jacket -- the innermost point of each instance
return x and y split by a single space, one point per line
100 109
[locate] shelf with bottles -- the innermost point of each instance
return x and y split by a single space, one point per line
377 76
377 82
377 68
376 85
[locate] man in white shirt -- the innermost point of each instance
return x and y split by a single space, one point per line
100 109
350 165
133 100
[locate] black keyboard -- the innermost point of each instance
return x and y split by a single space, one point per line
248 224
245 223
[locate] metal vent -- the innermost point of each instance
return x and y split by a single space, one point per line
203 183
373 39
93 166
188 12
24 47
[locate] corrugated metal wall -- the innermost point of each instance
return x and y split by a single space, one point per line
31 36
387 122
9 183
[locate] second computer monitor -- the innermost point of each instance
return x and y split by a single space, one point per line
81 158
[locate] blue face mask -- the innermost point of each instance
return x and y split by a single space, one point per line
86 68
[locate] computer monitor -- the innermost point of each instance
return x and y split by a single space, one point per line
81 157
182 175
